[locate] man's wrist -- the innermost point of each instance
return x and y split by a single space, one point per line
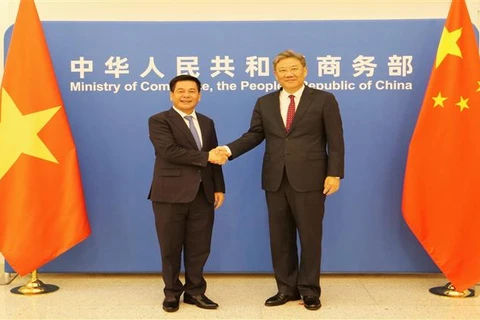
227 149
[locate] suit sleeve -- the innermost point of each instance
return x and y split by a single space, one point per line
334 131
165 145
252 138
218 180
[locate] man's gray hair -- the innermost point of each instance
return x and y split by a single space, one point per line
289 54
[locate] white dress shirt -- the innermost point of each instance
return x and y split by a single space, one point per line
195 121
285 102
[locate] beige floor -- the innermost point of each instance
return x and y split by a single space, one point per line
87 296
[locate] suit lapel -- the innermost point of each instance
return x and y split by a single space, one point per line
178 121
305 102
275 110
204 128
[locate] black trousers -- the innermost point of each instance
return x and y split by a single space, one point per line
187 227
290 211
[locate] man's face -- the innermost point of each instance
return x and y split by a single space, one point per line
185 96
290 73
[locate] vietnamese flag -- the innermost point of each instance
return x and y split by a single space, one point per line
441 196
42 208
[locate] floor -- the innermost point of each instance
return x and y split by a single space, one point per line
94 296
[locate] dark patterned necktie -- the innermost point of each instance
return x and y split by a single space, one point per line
290 112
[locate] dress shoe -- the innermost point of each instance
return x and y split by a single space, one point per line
200 301
311 302
280 298
170 304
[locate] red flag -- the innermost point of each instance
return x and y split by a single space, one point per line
42 208
441 204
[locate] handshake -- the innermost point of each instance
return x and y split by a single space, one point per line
219 155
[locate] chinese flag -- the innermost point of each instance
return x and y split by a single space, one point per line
42 208
441 200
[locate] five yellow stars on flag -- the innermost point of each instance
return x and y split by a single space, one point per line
448 45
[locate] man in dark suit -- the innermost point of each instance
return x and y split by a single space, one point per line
187 187
303 163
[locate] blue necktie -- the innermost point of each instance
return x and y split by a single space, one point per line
194 131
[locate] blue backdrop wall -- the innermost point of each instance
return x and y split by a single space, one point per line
113 77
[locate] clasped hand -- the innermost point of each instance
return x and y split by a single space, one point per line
218 155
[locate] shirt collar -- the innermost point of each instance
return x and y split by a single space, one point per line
183 114
284 94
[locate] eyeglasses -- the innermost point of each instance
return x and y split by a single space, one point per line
284 71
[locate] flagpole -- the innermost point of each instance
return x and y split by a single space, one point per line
34 287
448 290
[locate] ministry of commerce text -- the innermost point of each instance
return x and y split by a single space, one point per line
340 85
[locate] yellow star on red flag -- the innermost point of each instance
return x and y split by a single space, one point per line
448 45
439 100
463 103
19 134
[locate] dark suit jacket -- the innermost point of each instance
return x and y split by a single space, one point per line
310 151
179 165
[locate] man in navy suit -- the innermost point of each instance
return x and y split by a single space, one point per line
187 187
302 164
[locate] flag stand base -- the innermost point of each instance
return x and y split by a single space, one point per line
34 287
448 290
